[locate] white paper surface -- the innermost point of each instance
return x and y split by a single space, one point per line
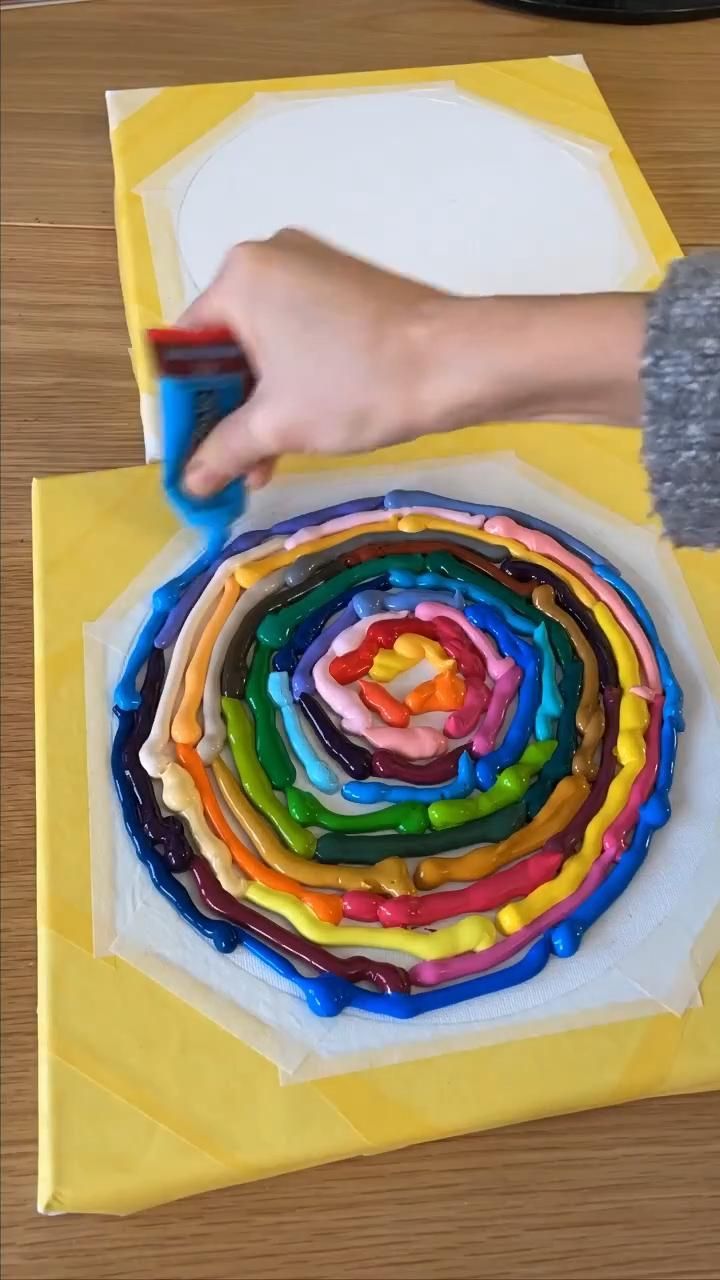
428 181
641 956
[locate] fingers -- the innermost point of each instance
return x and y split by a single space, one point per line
215 306
203 311
235 447
258 476
227 294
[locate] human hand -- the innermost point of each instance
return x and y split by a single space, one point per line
338 348
349 358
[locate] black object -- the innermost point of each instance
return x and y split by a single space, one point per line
618 10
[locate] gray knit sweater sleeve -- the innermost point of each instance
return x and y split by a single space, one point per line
681 382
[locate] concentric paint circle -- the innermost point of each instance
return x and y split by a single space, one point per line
406 750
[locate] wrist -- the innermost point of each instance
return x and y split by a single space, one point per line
584 356
526 358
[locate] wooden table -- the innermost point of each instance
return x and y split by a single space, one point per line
623 1193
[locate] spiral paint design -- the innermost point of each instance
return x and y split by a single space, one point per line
407 725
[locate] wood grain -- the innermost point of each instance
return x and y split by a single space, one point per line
626 1193
662 83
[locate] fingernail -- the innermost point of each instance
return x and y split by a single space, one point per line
199 479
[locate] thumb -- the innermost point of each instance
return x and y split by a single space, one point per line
203 310
231 449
